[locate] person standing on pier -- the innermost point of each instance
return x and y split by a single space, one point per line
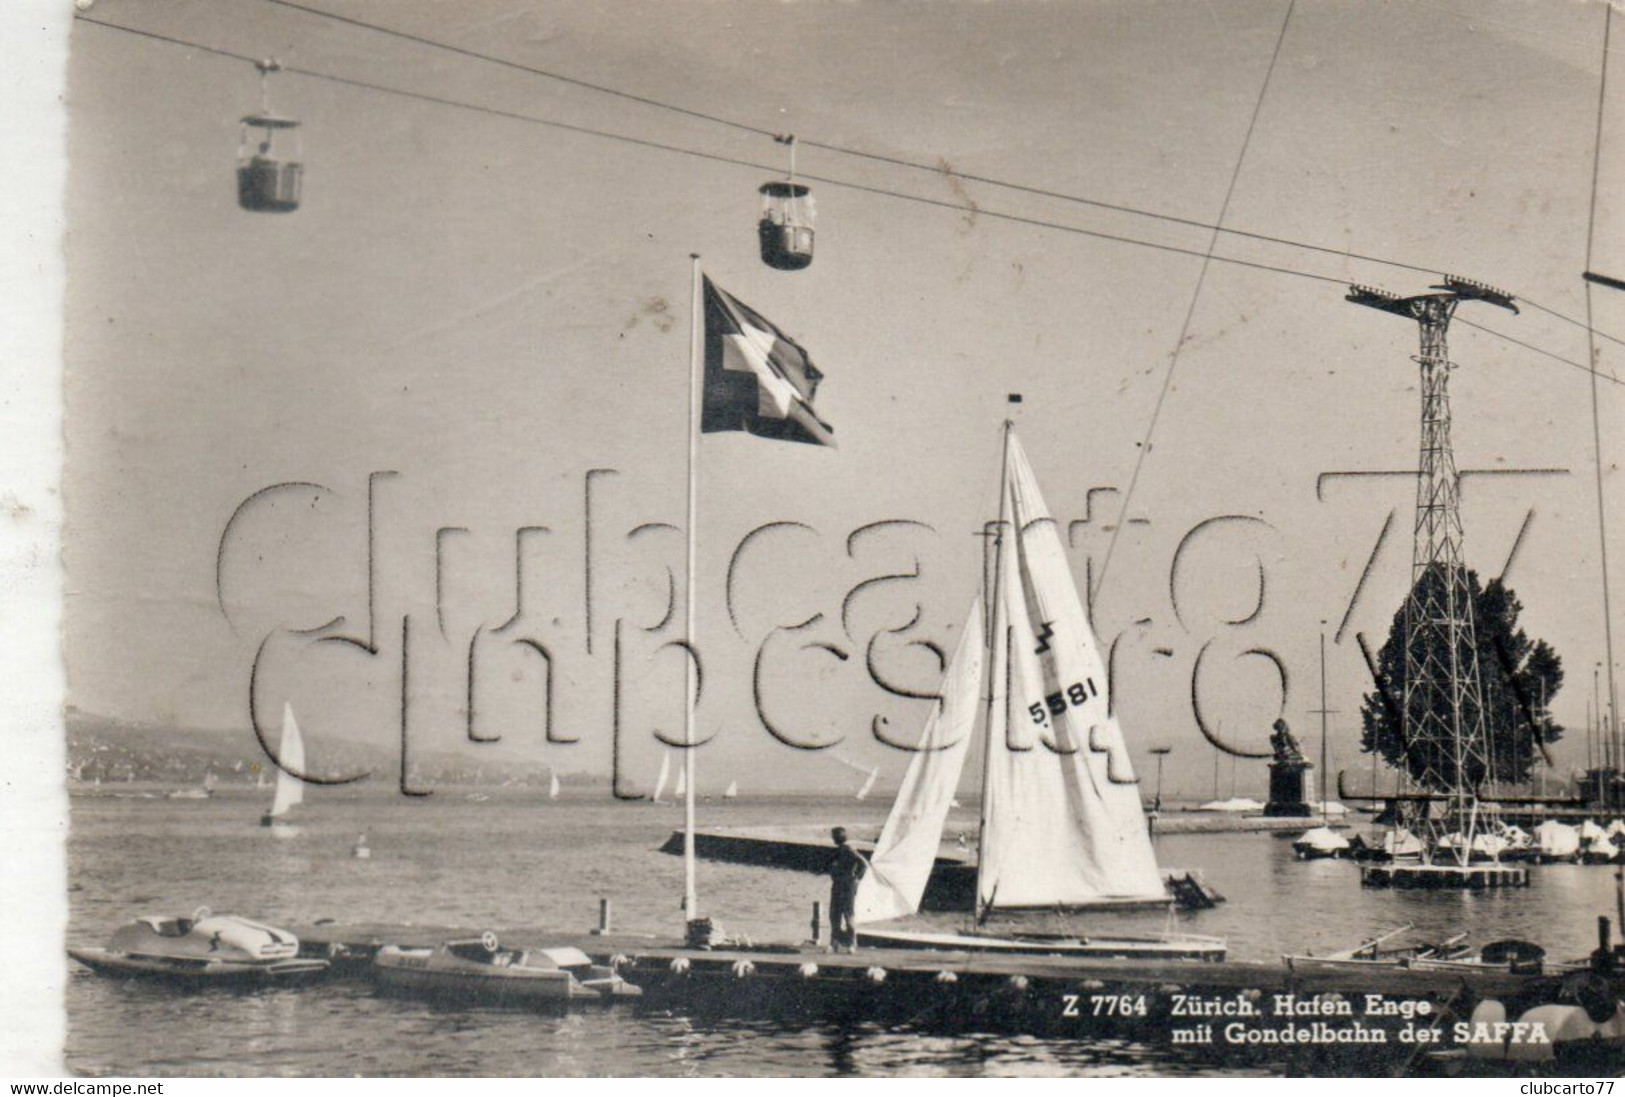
846 868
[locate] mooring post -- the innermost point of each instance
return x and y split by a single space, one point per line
817 921
603 918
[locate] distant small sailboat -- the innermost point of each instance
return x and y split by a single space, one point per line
732 791
290 790
868 784
682 780
361 851
552 786
660 781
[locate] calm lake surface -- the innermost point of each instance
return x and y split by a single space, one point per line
517 859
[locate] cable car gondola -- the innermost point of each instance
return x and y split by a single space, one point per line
268 178
786 227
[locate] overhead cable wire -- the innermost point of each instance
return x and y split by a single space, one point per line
895 161
1144 448
864 188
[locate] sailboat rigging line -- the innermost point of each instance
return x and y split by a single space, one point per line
1144 447
1596 423
863 188
881 158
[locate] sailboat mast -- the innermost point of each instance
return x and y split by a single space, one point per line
1325 814
996 629
696 354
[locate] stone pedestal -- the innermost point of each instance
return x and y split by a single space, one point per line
1286 789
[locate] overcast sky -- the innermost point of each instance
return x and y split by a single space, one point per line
491 308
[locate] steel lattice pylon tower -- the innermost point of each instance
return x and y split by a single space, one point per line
1443 701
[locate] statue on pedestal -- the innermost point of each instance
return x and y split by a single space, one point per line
1286 774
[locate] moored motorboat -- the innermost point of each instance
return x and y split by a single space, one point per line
481 969
201 948
1320 842
1393 844
1598 851
1555 841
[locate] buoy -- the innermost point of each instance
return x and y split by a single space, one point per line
1170 988
679 965
743 969
1092 984
807 970
1252 994
946 977
876 975
1018 982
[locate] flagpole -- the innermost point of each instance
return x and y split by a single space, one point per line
696 355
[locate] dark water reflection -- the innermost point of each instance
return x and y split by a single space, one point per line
515 860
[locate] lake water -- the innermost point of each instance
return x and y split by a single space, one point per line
518 860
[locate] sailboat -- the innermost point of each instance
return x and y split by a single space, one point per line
660 781
868 783
552 786
732 791
1062 824
290 790
682 781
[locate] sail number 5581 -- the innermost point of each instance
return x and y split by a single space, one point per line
1056 704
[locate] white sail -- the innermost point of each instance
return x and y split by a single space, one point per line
731 791
660 781
868 783
682 780
552 786
1063 823
903 859
290 790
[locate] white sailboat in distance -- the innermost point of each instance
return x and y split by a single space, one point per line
552 786
290 790
732 791
660 781
868 783
1063 826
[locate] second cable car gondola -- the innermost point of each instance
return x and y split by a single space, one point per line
269 172
786 226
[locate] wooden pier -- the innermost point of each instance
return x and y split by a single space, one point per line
952 884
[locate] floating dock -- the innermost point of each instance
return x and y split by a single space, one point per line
1471 877
1333 1022
667 968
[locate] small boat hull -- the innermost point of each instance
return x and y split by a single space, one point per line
1172 947
442 975
194 972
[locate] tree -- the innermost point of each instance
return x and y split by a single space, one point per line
1520 677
